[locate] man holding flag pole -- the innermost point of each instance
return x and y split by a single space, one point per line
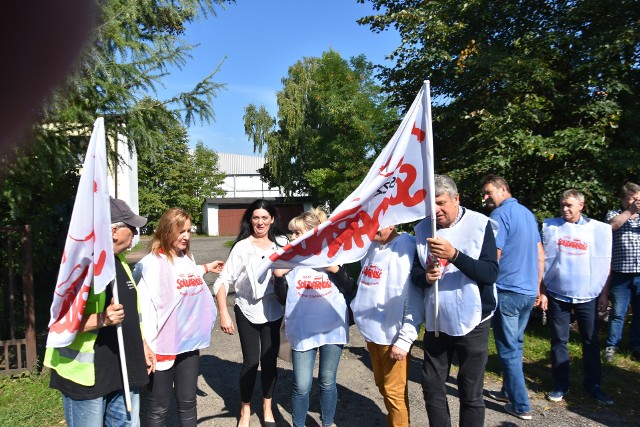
90 321
462 260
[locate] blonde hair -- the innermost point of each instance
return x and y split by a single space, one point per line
309 219
169 227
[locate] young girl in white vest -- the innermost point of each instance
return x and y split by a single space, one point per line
317 320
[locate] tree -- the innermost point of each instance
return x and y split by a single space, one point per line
542 92
133 45
175 176
332 122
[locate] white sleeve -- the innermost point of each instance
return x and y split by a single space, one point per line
144 273
413 318
230 271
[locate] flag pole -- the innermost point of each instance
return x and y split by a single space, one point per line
123 360
431 199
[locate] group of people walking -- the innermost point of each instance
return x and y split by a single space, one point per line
461 273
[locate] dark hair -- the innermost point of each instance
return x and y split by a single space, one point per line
245 223
495 180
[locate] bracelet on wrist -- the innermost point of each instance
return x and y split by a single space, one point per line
206 268
103 320
455 257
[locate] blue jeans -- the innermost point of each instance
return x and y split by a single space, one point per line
509 323
587 317
110 410
624 288
303 362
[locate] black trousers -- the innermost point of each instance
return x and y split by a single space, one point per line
471 350
260 344
183 377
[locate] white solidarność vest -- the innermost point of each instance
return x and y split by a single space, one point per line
178 309
379 305
460 307
576 257
315 312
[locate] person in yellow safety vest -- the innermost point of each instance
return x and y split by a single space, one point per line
87 372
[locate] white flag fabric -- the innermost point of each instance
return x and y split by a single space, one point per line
399 188
88 251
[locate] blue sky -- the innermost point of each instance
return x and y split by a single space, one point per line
260 40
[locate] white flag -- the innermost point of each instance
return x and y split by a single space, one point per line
398 188
88 252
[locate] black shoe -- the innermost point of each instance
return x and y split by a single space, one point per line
499 396
600 396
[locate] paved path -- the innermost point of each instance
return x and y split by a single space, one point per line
359 403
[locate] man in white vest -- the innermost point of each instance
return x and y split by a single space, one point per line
378 310
577 262
521 265
462 259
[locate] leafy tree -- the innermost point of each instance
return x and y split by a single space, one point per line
331 123
134 44
543 92
175 176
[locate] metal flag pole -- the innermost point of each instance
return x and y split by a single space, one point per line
431 199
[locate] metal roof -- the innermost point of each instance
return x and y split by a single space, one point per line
239 164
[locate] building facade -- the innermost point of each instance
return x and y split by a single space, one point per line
242 185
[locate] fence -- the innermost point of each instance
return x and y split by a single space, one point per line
16 262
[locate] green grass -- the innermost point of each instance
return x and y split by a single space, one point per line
620 379
27 401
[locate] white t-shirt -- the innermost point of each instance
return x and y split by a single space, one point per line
258 305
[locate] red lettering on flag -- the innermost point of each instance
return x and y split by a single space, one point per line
73 303
419 133
348 228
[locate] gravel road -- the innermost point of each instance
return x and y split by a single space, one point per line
359 402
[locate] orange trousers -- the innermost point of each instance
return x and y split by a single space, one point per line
391 378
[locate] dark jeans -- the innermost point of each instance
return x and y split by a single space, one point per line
471 350
183 376
587 317
260 344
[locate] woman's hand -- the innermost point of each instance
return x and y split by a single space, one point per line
226 324
213 267
149 357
